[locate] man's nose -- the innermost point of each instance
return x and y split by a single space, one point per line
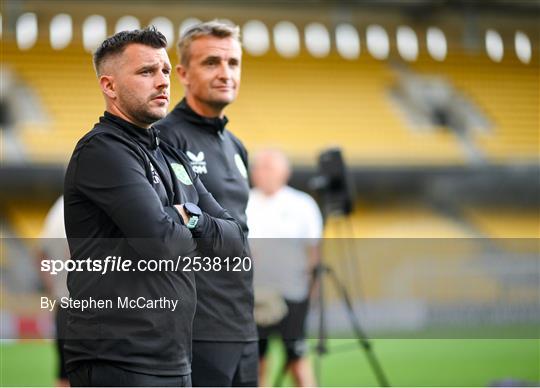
162 80
225 71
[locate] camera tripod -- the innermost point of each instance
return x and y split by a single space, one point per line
320 274
335 191
321 348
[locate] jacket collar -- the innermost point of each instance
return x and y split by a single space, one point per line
148 137
212 124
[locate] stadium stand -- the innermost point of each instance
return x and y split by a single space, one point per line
505 222
508 93
316 103
396 220
66 88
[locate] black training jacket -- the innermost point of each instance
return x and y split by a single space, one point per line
120 188
225 299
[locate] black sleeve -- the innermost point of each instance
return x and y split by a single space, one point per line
112 175
219 234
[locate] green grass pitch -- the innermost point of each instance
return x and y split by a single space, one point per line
410 362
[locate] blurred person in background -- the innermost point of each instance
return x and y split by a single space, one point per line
53 245
285 226
225 351
127 195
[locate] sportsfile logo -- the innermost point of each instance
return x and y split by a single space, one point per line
119 264
197 162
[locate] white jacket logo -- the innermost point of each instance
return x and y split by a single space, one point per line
155 176
197 162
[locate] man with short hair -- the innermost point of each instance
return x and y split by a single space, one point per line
127 197
224 333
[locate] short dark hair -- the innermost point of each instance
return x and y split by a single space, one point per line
116 44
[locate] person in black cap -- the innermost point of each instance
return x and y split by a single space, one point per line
128 197
225 348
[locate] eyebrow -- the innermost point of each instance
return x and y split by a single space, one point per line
212 58
219 59
152 66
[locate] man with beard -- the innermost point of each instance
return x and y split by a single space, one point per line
130 197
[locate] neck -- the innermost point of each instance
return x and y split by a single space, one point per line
115 110
270 192
203 109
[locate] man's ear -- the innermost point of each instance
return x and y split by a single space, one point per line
181 71
108 87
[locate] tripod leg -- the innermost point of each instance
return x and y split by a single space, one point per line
361 336
320 348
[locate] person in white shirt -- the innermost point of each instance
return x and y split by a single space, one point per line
285 226
53 246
